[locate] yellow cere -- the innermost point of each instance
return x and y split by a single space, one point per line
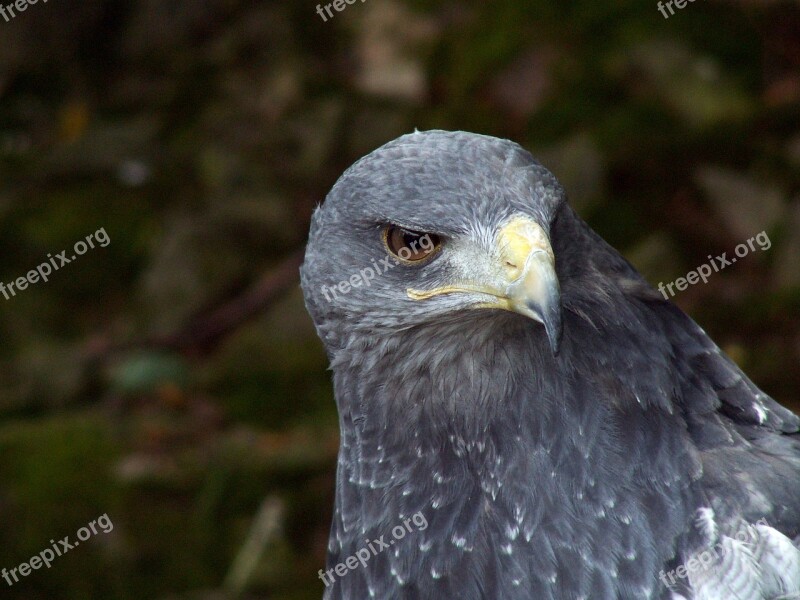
518 239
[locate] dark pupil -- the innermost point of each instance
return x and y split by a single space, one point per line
409 238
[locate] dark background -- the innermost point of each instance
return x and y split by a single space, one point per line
173 379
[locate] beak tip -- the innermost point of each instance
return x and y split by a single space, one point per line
550 318
554 333
555 346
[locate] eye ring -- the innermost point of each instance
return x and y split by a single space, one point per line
410 247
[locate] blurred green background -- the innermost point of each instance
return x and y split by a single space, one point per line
173 380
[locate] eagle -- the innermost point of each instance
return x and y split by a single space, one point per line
522 415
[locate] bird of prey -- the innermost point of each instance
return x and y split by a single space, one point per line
506 377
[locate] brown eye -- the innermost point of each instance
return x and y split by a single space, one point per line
410 246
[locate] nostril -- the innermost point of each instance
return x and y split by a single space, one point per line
511 264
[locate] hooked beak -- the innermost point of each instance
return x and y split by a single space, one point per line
521 278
